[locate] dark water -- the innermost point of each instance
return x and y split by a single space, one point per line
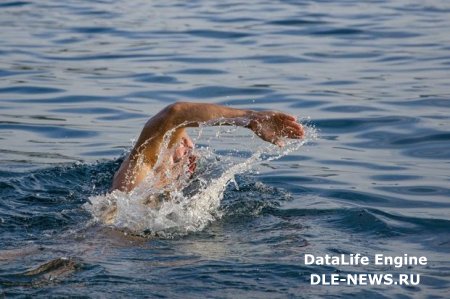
79 78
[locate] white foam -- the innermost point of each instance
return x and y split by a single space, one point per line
187 205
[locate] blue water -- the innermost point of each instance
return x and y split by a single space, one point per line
78 79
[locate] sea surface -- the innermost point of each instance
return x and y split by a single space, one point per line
370 80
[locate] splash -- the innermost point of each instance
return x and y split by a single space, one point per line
188 204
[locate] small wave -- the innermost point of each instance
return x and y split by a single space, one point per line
48 273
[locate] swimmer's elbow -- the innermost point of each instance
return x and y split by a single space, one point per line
176 108
168 118
178 113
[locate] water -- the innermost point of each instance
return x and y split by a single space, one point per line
78 79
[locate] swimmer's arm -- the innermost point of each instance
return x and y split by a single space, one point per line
270 126
144 155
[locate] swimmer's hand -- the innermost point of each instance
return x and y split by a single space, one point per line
274 126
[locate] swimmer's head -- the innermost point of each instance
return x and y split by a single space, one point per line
183 153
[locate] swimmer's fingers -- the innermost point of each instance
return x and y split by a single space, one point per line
274 126
287 133
292 130
288 117
279 142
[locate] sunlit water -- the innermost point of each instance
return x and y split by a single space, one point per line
78 79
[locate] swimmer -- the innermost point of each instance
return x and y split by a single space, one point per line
271 126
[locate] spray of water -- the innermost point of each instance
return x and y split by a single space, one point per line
187 203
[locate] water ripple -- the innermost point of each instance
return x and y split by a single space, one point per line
48 131
80 78
14 4
30 90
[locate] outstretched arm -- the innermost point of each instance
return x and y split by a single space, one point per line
271 126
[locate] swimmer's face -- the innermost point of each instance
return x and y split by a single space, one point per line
184 153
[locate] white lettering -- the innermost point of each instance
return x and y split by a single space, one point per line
362 279
379 259
315 279
365 260
375 279
334 279
388 279
400 260
416 281
403 279
423 260
353 278
309 259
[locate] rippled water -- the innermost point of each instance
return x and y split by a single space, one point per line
78 79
